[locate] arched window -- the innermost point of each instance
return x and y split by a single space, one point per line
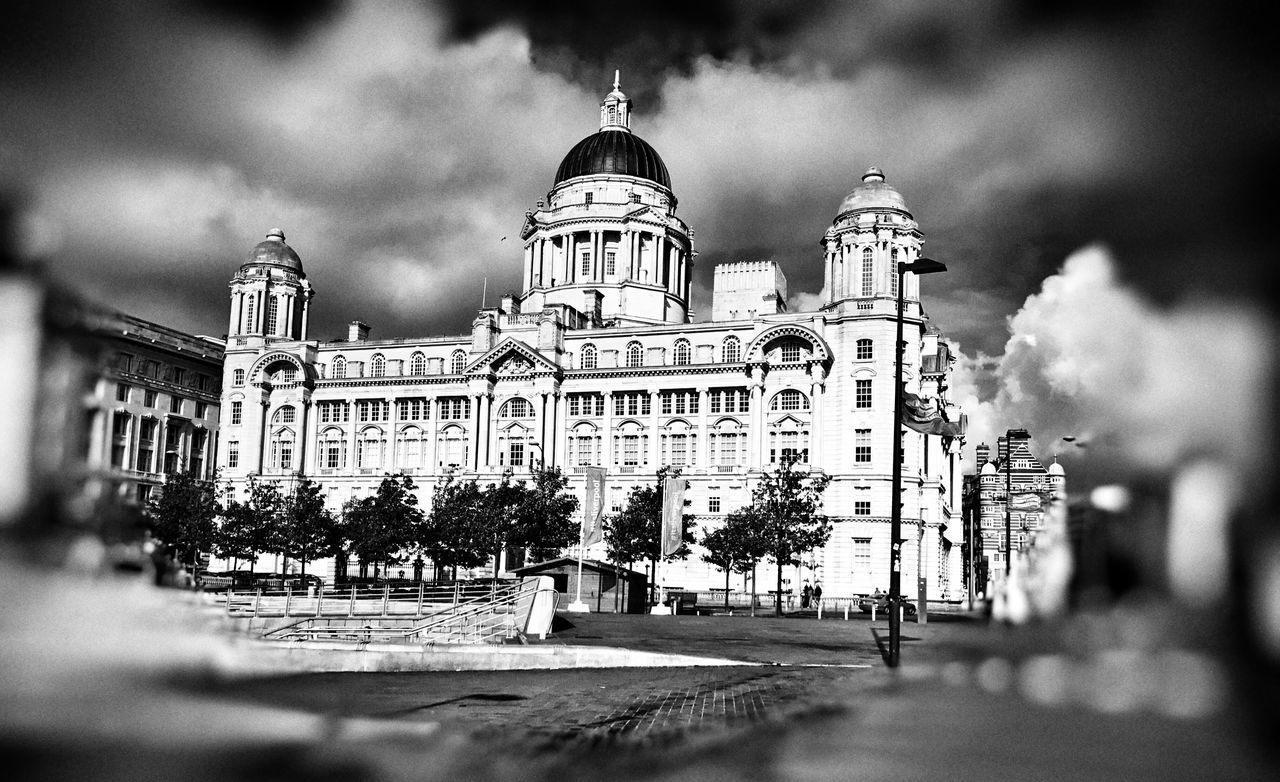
788 400
864 350
588 360
635 354
409 447
281 457
452 447
517 408
285 415
249 325
333 449
868 272
339 368
369 448
378 366
893 273
237 377
681 354
418 364
458 362
731 350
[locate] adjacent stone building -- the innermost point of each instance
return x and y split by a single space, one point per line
596 362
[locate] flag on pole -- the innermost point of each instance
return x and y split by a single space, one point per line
593 508
672 514
927 416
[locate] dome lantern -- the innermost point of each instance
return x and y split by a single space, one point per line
615 109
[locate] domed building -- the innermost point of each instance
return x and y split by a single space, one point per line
596 362
1015 473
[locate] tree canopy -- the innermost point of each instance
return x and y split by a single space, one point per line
306 529
184 516
635 533
386 523
736 545
786 506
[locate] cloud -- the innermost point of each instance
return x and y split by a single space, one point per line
1144 388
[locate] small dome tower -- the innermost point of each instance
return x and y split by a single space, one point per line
872 233
270 294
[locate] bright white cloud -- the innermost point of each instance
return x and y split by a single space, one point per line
1146 387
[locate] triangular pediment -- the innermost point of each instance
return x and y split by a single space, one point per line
531 225
511 358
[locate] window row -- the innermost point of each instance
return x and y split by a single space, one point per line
681 353
417 365
177 405
182 449
147 367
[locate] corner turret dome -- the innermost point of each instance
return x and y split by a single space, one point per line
873 193
273 251
989 468
1055 468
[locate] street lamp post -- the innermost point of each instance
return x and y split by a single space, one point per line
918 266
1008 501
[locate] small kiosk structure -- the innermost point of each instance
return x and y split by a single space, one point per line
606 588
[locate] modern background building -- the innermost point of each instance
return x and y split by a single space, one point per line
1030 485
596 361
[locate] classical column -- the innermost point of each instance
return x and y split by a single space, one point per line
655 434
352 452
305 429
704 432
432 425
540 424
302 333
606 436
756 436
393 436
816 400
233 323
570 264
559 433
473 437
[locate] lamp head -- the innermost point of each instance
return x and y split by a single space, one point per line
923 266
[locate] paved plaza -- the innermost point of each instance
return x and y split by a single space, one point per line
121 691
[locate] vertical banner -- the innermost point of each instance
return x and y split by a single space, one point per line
672 514
593 508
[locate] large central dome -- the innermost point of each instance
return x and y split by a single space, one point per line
614 152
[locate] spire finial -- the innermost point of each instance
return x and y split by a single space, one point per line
616 80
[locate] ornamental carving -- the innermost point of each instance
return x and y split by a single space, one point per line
515 365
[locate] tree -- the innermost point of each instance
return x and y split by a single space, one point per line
385 523
250 527
451 536
549 515
636 532
785 505
735 546
184 516
306 529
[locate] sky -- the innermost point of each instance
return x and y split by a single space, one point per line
1095 176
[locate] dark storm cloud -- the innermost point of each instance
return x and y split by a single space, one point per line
386 140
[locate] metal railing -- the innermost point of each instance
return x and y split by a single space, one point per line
492 618
353 601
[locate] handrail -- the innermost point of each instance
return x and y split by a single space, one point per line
383 601
488 619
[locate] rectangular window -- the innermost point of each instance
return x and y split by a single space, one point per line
372 410
179 375
862 556
124 362
237 409
610 262
631 403
586 404
332 454
117 455
411 409
334 412
202 381
679 450
862 446
713 504
679 402
862 394
149 398
175 404
862 507
864 350
202 409
455 408
233 454
585 262
120 424
590 197
516 454
631 449
122 392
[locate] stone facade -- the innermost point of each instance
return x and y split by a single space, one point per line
597 362
1015 473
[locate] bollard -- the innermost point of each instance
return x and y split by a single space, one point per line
873 611
846 612
819 609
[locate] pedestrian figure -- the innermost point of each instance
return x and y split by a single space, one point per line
806 595
817 593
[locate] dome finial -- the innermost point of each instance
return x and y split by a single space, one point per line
873 174
616 82
615 109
